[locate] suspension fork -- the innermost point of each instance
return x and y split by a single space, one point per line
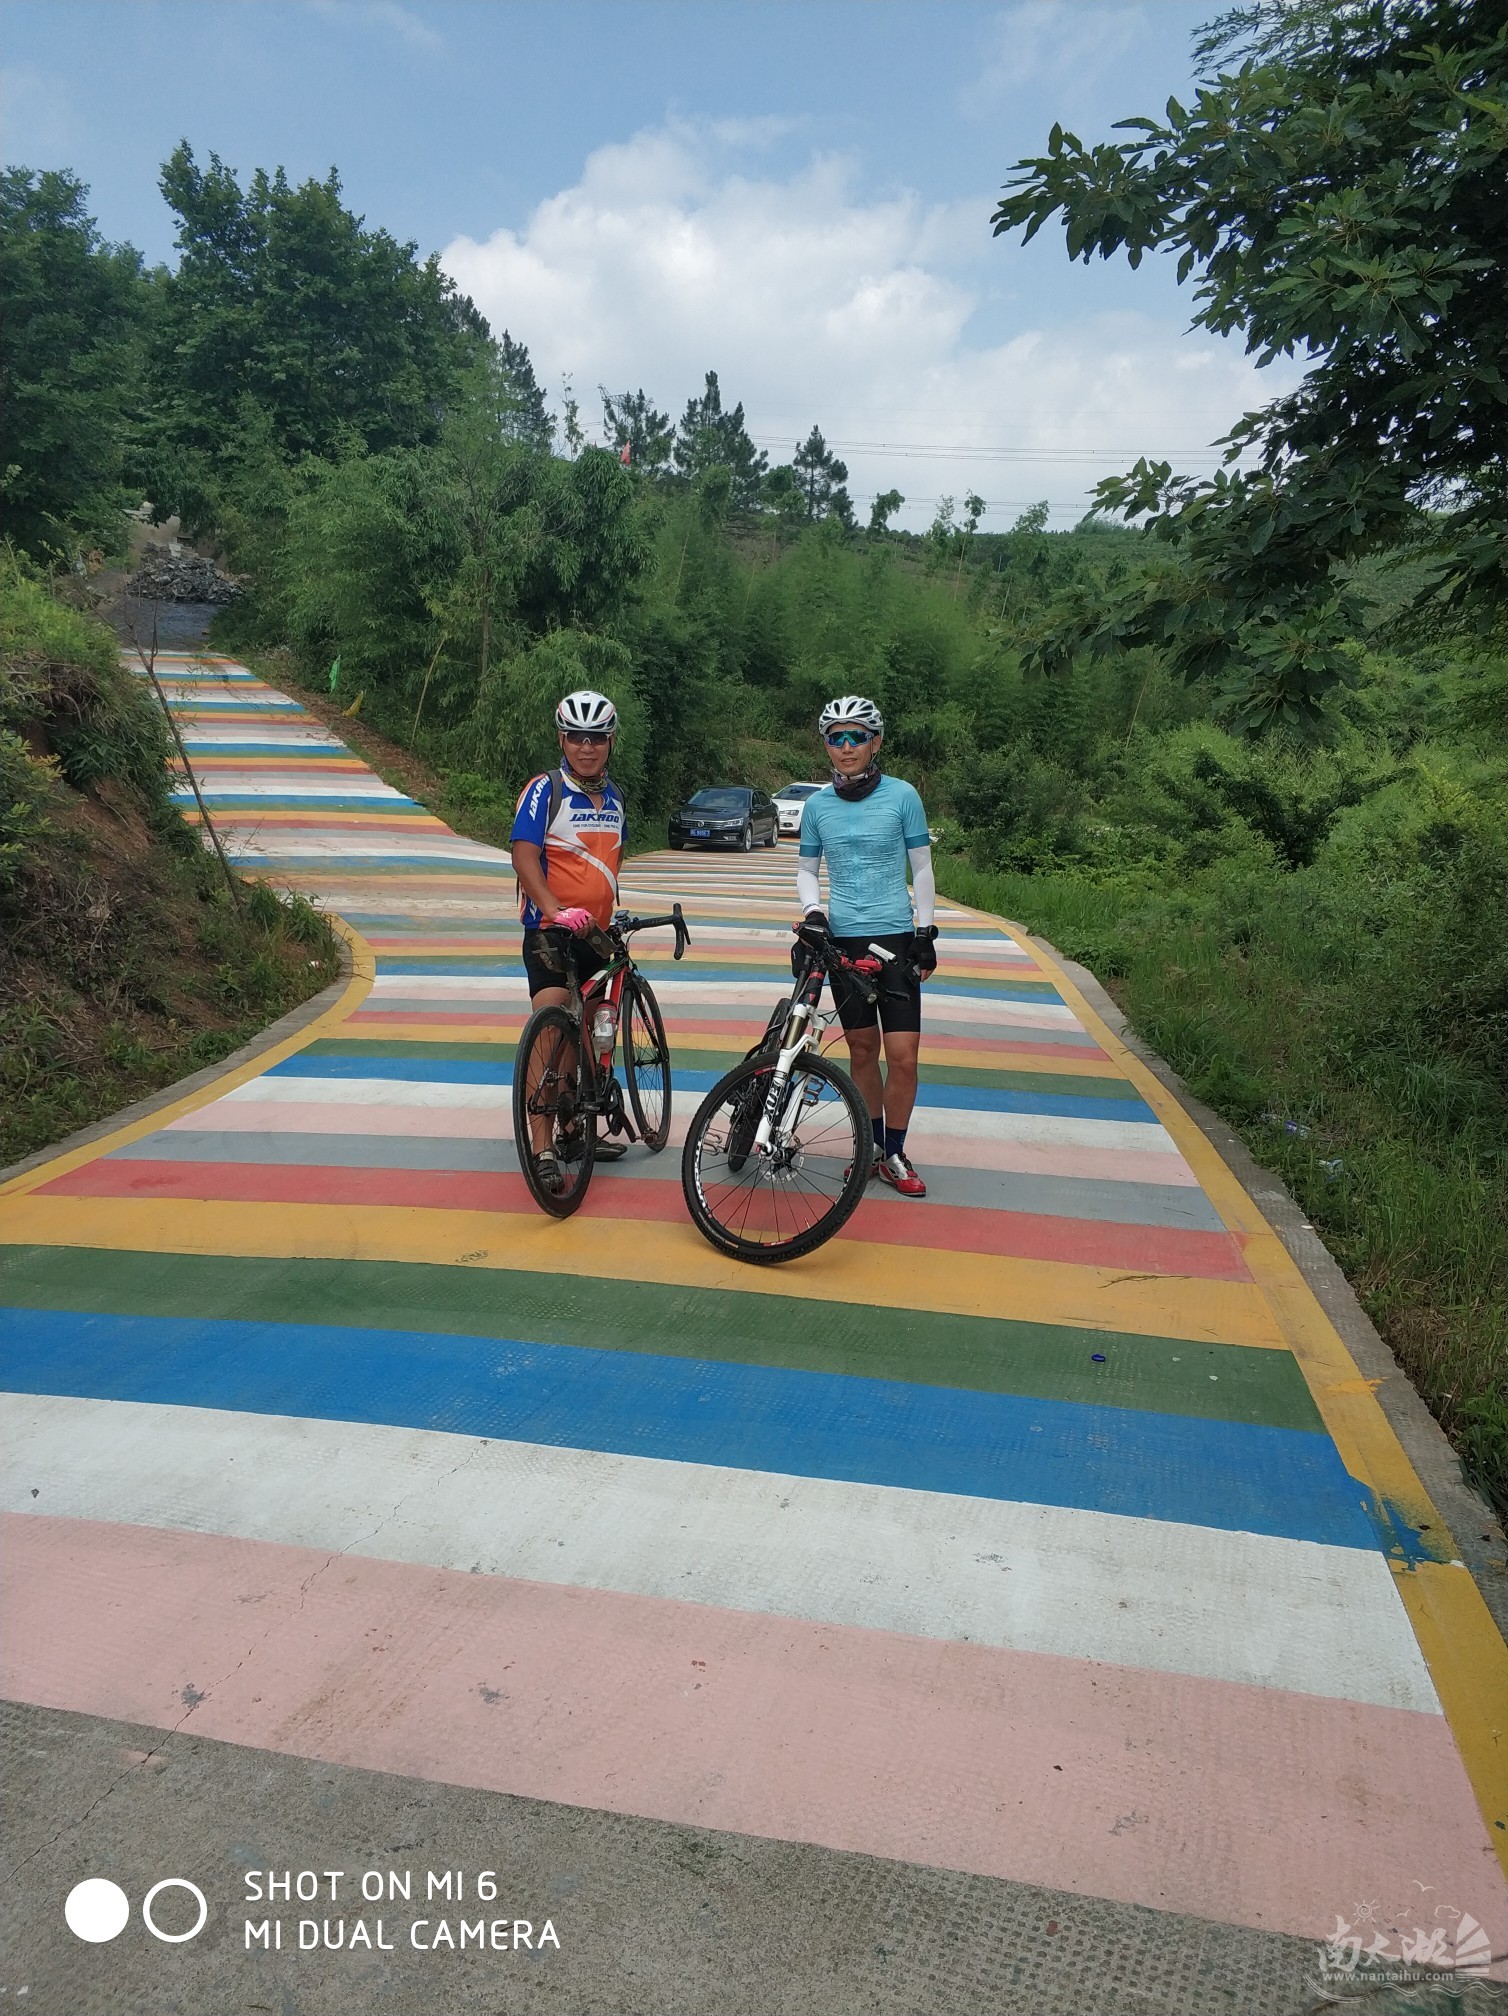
777 1114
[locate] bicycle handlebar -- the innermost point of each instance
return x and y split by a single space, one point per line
822 952
626 925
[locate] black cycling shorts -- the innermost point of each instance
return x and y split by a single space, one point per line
899 1005
583 958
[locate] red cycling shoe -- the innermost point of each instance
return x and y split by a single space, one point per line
896 1170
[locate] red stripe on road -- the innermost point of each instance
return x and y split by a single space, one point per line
1014 1235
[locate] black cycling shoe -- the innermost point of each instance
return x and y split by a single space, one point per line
611 1151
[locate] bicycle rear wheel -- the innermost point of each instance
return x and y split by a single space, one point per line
553 1131
646 1062
777 1203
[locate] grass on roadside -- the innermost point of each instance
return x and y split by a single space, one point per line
130 968
1396 1154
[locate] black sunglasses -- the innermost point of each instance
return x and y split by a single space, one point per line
589 738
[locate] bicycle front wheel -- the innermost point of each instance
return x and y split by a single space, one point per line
553 1130
776 1203
646 1062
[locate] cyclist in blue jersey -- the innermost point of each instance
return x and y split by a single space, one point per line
870 829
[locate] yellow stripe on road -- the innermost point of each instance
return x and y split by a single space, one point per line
622 1249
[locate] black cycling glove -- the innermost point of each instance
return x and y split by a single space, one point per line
812 932
923 953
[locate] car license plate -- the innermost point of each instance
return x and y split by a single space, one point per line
701 832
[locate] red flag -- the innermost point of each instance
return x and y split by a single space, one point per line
624 456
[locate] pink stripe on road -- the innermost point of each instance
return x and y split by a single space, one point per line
1108 1781
248 1114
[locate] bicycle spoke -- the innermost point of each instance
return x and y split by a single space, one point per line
552 1128
781 1193
647 1062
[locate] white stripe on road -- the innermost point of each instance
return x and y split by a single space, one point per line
1288 1614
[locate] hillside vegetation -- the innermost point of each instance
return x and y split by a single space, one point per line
127 962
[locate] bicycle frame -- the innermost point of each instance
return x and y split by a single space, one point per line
606 989
782 1102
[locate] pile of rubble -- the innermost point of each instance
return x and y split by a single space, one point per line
177 574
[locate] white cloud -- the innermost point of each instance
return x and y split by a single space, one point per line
403 21
1068 44
816 304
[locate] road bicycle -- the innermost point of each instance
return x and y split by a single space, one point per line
564 1082
781 1148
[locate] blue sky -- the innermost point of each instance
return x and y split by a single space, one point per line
795 195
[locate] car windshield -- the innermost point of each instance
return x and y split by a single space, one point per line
798 790
720 801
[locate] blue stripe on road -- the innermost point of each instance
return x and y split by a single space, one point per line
475 1071
1234 1476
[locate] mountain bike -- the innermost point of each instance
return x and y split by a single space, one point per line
781 1148
564 1082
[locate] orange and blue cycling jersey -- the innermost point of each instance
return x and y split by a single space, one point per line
581 846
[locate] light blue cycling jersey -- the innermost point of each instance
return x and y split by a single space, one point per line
865 842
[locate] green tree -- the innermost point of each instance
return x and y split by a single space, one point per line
70 367
822 477
486 430
632 423
283 297
883 510
527 417
708 435
782 493
940 535
1338 188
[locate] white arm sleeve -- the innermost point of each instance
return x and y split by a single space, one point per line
808 888
923 887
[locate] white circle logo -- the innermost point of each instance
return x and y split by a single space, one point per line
97 1910
173 1883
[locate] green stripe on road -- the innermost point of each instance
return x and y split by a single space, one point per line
1219 1382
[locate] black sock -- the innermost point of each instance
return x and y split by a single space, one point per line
894 1142
878 1124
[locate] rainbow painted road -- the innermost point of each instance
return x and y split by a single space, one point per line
1043 1530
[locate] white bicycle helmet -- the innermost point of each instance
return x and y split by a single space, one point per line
852 711
587 712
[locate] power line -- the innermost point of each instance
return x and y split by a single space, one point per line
970 452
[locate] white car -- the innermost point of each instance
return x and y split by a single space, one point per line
789 802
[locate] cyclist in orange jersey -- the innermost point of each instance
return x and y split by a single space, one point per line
569 830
